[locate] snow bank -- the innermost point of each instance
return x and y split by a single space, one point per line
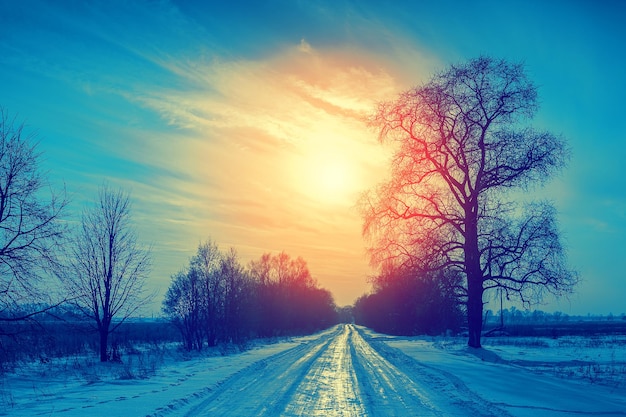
527 378
82 387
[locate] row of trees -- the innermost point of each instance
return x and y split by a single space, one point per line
216 300
410 302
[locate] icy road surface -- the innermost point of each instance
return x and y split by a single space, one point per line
342 374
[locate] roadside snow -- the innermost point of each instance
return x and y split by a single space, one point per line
79 389
529 377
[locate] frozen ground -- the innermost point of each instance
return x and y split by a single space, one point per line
344 371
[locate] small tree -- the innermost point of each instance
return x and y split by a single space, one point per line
206 265
30 227
238 298
183 305
108 266
463 144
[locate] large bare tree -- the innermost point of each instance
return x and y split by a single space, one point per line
108 266
463 146
30 226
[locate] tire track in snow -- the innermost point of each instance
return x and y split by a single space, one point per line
452 396
330 388
342 373
388 390
263 388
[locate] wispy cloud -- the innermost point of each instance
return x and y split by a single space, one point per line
237 147
261 128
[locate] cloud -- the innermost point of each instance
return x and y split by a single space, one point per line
253 128
212 142
304 46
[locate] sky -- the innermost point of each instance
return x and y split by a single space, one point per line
243 122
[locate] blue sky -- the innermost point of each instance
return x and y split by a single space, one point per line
240 121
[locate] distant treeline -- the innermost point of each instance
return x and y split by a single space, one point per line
588 328
514 315
217 300
537 323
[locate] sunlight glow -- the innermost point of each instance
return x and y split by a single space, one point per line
289 153
329 177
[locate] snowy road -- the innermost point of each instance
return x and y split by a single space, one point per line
342 373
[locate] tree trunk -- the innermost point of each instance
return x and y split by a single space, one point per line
474 280
474 310
104 340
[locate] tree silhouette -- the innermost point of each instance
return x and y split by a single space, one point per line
212 300
108 268
216 300
289 300
409 302
30 226
183 305
463 144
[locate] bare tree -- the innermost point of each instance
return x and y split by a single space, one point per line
206 264
183 305
194 301
463 143
285 287
238 291
281 270
208 300
108 266
30 226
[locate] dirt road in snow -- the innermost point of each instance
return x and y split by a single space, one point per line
342 373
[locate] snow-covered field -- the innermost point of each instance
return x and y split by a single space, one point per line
532 376
343 371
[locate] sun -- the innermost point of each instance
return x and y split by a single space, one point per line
329 177
332 176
